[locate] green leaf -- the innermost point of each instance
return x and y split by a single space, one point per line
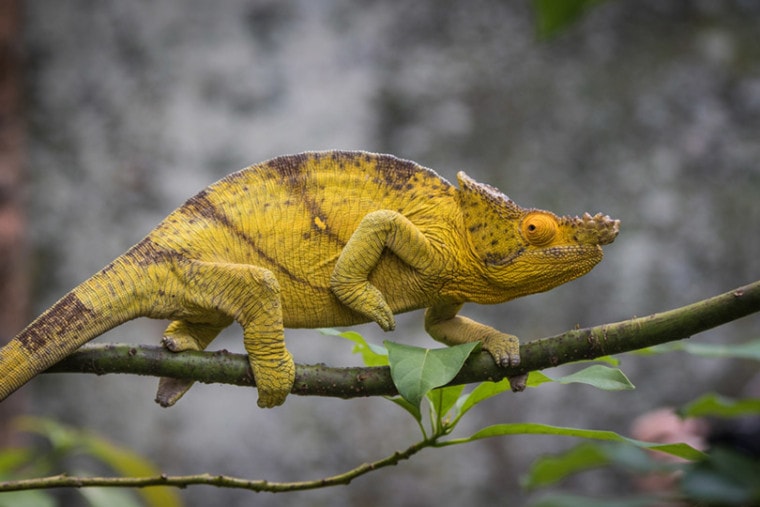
597 375
749 350
715 405
680 450
443 399
548 470
372 355
567 500
601 377
415 371
483 391
611 360
536 378
65 439
27 499
725 478
130 464
14 458
412 409
62 438
552 16
109 497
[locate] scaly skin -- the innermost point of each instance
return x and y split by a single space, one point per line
315 240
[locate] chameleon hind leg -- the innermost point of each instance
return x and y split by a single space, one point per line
250 295
184 335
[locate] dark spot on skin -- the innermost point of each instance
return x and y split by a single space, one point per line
67 314
146 252
316 212
211 212
493 259
289 167
200 206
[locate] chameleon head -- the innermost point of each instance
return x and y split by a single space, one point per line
553 250
524 251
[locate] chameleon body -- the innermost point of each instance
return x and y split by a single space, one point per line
314 240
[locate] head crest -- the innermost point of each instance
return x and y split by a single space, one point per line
490 218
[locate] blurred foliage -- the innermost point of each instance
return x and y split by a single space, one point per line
722 476
56 448
726 476
553 16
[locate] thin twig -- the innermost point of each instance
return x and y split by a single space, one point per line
221 481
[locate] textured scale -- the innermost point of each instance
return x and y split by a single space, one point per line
313 240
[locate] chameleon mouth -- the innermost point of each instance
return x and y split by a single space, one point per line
595 230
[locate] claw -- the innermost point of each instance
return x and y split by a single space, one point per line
504 348
518 382
170 390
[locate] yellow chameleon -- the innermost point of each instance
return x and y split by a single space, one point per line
313 240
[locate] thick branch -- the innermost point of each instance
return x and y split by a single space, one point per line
320 380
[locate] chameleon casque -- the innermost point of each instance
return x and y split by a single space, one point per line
314 240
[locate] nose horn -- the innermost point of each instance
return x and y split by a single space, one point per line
599 229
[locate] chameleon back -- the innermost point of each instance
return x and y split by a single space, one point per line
295 214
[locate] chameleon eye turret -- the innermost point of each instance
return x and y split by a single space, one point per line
539 229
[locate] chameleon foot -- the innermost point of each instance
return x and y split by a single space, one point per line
170 390
365 298
504 348
178 337
274 382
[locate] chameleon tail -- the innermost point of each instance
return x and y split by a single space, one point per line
107 299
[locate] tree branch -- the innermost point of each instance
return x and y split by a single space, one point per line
320 380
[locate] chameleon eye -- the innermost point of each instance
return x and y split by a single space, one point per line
539 229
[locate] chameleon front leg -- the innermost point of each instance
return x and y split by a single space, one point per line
350 278
219 293
445 326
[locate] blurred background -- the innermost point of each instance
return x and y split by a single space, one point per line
648 111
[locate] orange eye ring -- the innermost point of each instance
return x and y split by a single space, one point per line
539 229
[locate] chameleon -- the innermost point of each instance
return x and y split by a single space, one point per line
312 240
